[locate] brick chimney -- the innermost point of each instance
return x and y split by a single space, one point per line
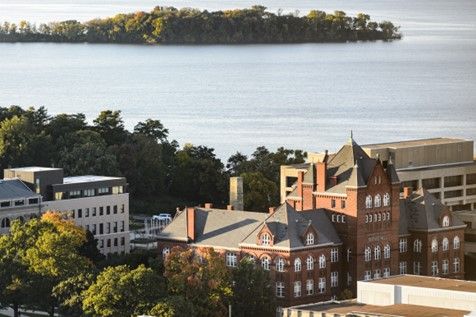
191 223
321 176
229 207
299 182
407 191
272 210
208 205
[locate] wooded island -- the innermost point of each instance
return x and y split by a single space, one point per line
168 25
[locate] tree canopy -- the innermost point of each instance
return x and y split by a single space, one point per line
168 25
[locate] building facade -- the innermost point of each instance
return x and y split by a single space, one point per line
345 208
99 204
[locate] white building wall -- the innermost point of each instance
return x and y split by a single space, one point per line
387 294
91 218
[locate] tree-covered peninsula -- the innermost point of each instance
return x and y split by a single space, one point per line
168 25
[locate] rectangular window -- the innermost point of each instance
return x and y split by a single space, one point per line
434 268
334 279
117 190
103 191
310 287
386 272
58 195
123 241
417 268
87 227
297 289
115 227
88 192
334 255
403 267
94 229
456 265
342 204
108 228
114 209
19 202
33 201
349 279
403 245
231 259
108 243
333 203
80 213
115 242
122 226
445 266
101 243
108 210
101 228
5 204
322 285
367 275
122 208
377 274
86 212
94 211
279 289
75 194
101 211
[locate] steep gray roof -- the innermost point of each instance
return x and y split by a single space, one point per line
392 172
14 189
288 227
422 211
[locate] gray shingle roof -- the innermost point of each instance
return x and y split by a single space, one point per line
229 229
15 188
422 211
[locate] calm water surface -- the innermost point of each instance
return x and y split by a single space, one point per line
239 97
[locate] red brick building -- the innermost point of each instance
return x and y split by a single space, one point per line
344 221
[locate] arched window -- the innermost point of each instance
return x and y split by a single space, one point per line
377 200
386 251
445 244
456 242
377 253
5 223
445 222
417 246
368 254
322 261
310 263
165 252
265 239
280 264
368 201
386 199
297 265
21 219
434 245
310 238
265 263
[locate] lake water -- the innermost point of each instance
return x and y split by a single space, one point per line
238 97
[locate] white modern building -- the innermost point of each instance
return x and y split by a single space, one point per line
99 204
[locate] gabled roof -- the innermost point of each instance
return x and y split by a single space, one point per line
15 189
288 227
423 211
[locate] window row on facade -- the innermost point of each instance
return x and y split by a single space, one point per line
309 287
19 202
6 221
106 228
376 201
94 211
111 242
90 192
378 217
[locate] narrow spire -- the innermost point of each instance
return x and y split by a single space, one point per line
351 139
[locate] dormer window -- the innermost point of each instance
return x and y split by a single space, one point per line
310 238
445 222
386 199
265 239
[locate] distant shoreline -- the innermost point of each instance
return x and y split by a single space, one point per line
168 25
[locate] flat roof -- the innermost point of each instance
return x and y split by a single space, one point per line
412 143
429 282
34 169
349 307
88 179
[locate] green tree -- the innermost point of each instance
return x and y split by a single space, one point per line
203 280
69 294
173 306
153 129
122 292
260 192
85 153
253 293
110 126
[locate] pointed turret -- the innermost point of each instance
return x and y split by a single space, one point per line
391 172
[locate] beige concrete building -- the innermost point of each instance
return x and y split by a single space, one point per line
446 167
99 204
402 295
